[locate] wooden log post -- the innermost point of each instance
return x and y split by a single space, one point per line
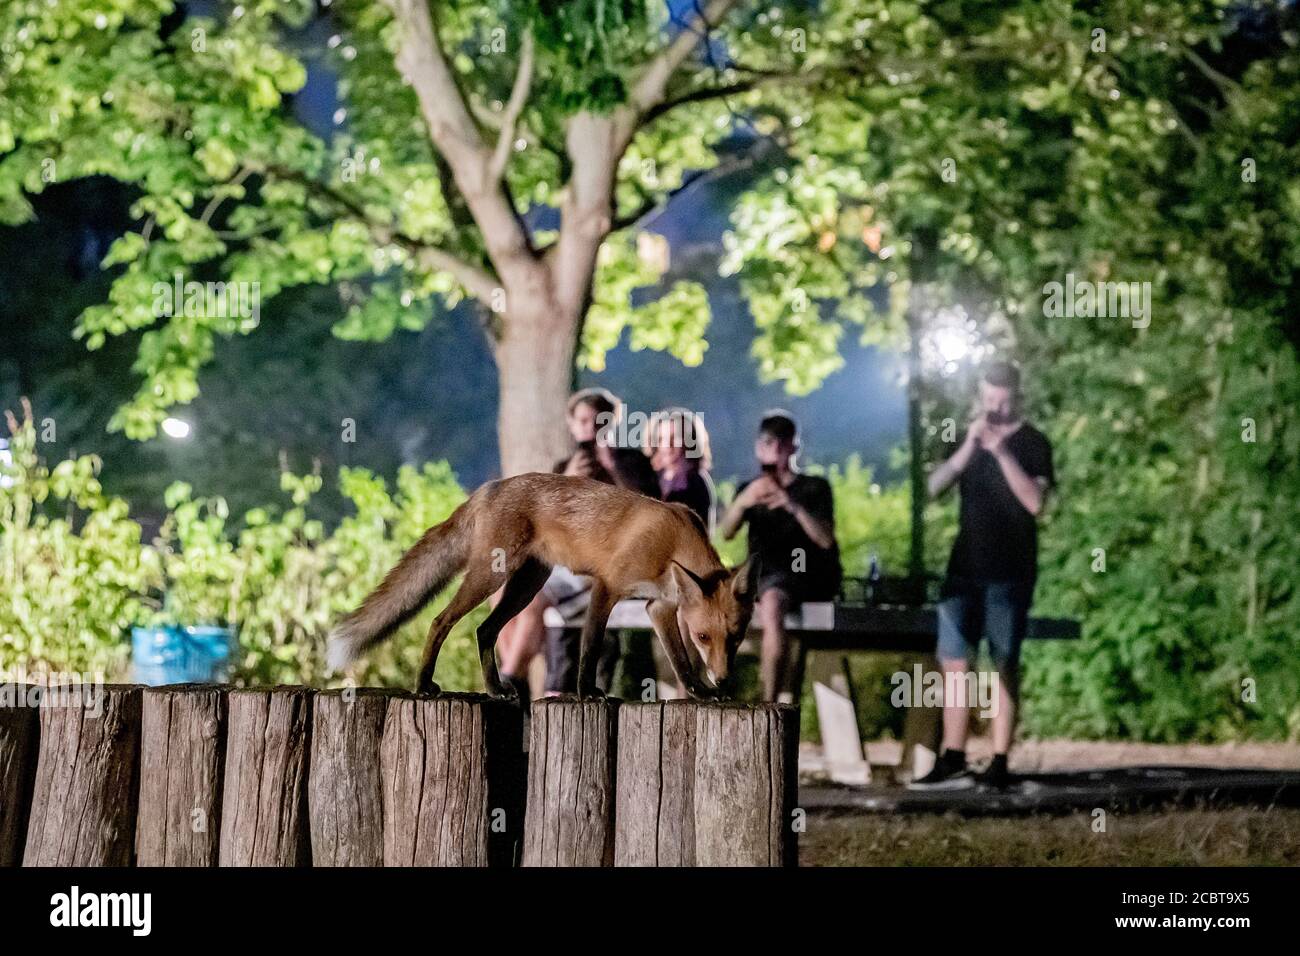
453 778
19 738
264 793
655 792
345 789
746 784
183 744
706 784
571 769
87 777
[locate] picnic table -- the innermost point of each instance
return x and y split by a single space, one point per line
845 627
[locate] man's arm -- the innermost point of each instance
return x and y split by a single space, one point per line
947 472
818 524
733 518
1031 492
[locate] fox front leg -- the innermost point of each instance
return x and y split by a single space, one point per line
593 639
663 617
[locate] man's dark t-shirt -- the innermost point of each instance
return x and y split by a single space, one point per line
774 534
634 472
997 538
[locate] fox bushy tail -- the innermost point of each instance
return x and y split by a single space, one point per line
421 573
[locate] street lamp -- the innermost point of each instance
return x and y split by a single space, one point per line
176 428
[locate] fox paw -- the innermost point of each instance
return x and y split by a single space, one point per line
505 691
594 693
428 689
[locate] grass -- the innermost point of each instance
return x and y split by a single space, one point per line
1196 836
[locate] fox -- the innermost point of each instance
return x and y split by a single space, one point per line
510 533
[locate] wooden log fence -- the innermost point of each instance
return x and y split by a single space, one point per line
87 777
182 761
18 736
571 758
201 775
706 784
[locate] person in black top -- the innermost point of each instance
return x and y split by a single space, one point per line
593 415
677 446
1003 469
791 521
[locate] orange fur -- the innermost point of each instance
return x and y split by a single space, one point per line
512 532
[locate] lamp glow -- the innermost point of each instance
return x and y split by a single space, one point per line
176 428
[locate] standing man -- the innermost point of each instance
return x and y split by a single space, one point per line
1003 469
791 519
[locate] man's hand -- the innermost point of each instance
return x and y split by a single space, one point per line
580 465
946 473
758 491
990 438
777 498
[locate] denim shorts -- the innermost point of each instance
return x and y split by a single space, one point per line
998 612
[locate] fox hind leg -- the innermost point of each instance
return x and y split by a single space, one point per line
477 584
518 592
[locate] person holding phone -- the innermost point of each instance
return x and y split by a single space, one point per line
1003 470
791 522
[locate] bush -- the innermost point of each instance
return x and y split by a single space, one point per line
78 577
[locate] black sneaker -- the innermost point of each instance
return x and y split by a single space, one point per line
949 773
995 776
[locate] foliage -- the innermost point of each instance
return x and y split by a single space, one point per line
76 585
73 574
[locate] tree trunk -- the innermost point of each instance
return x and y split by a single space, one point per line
534 373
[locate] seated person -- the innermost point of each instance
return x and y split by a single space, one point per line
678 448
791 519
592 415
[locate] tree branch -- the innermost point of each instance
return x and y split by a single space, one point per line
732 164
515 106
477 281
649 89
454 133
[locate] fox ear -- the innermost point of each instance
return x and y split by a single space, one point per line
745 579
687 584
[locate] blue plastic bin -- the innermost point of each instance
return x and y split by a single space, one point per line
178 655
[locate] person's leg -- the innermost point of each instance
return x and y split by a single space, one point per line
956 615
772 605
521 640
568 592
518 594
956 708
954 652
1006 618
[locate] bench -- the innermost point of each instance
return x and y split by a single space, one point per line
844 627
